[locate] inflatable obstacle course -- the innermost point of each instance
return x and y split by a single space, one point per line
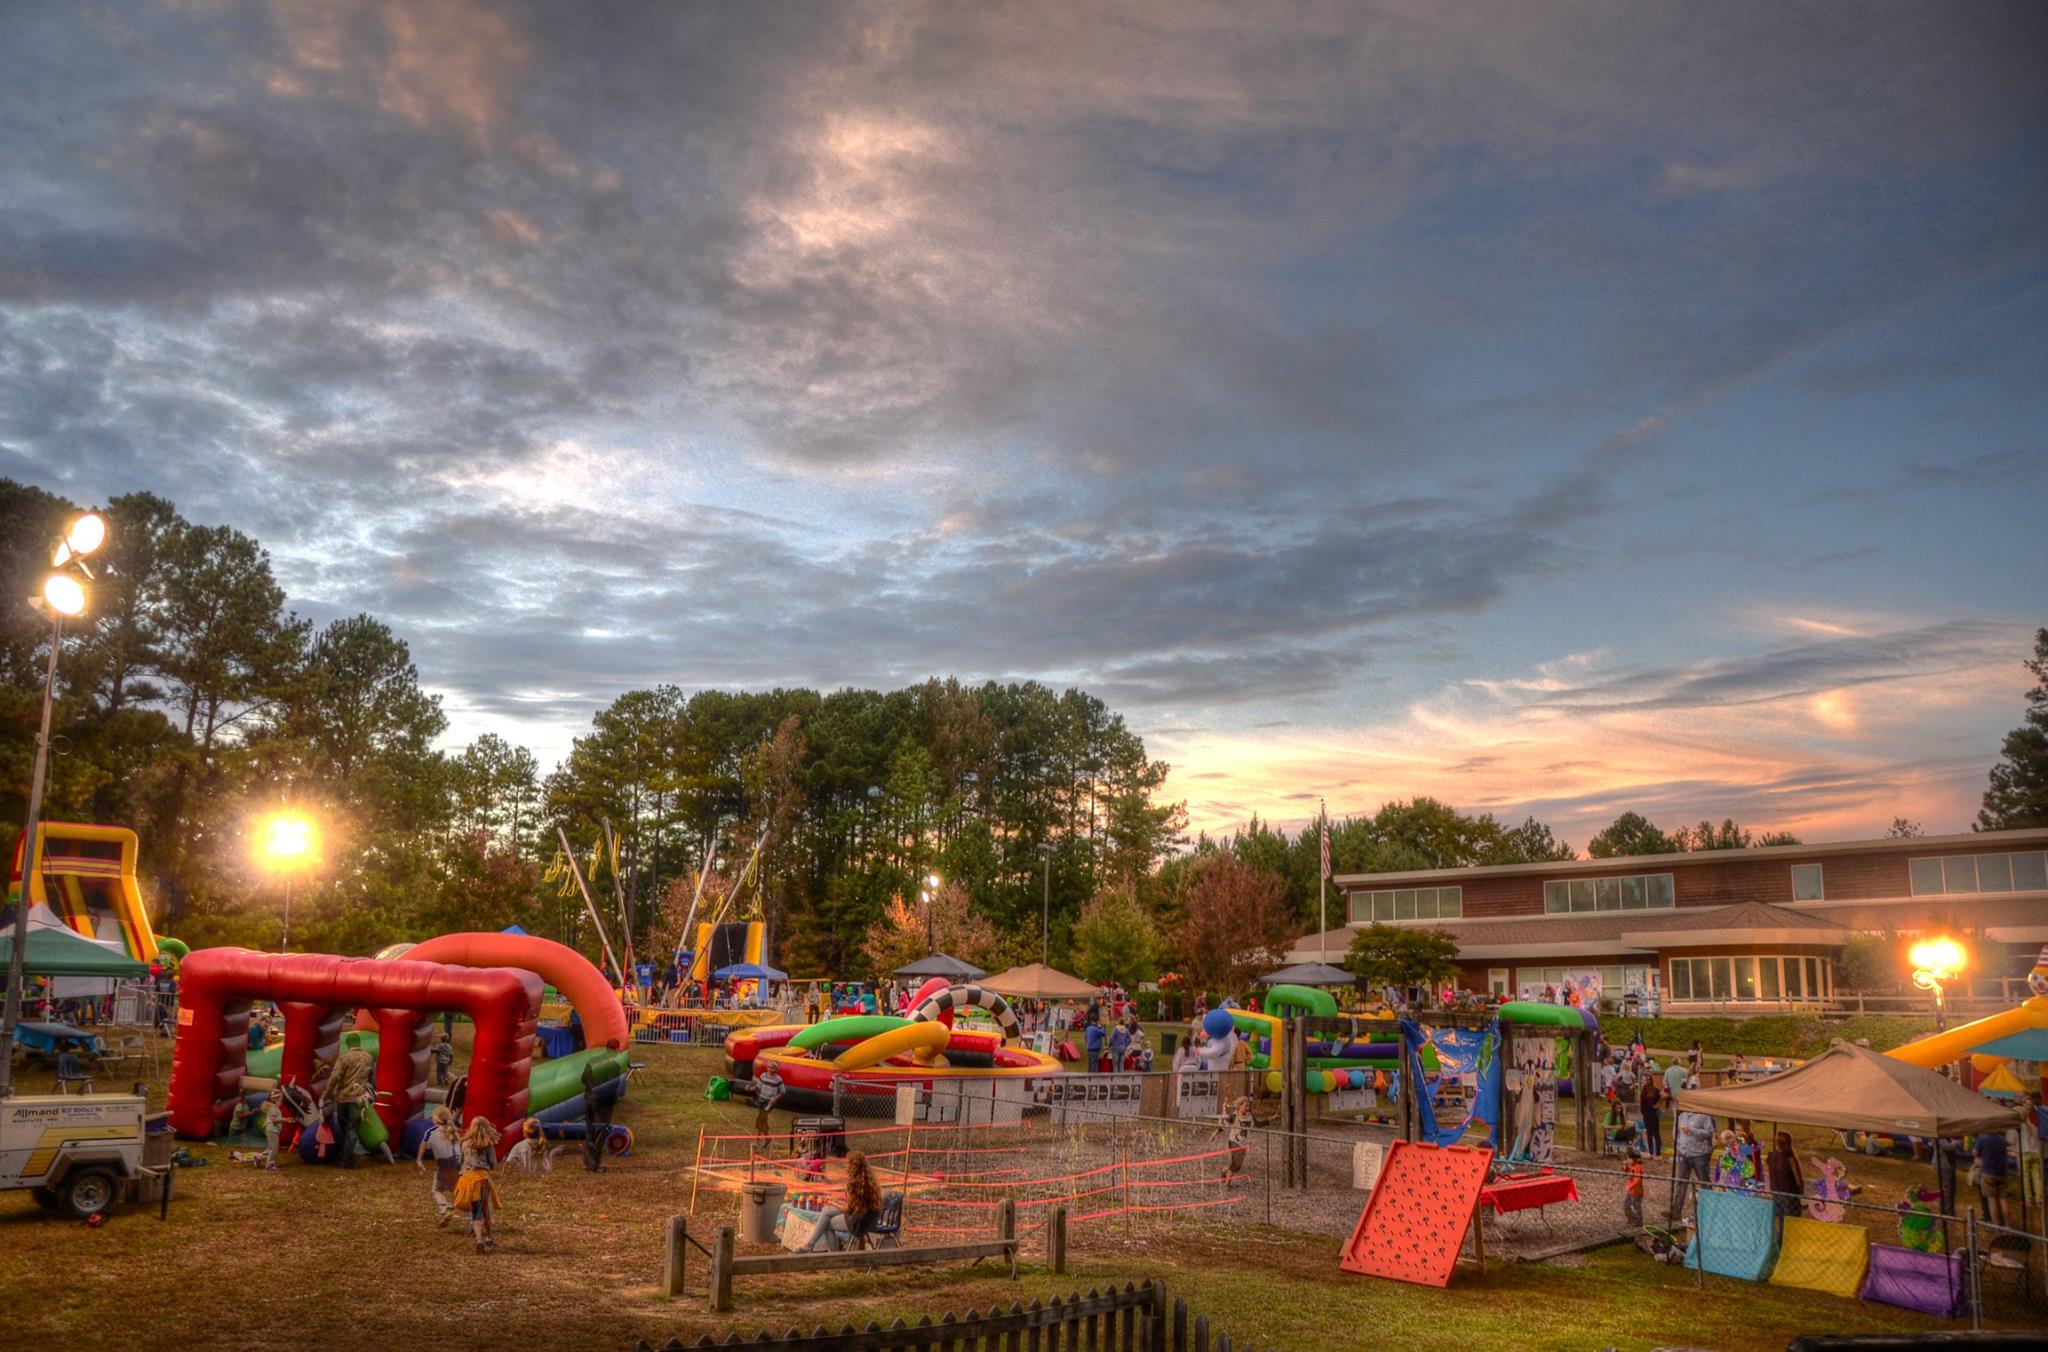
878 1052
492 980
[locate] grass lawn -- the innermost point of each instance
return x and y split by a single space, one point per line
313 1257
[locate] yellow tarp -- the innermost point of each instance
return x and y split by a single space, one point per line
1822 1256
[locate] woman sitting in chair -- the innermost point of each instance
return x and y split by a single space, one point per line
845 1228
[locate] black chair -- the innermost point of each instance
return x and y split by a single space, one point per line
889 1225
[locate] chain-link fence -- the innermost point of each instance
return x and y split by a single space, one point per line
1133 1157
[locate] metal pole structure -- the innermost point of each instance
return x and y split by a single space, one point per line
31 867
1045 913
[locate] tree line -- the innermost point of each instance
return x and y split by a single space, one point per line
193 701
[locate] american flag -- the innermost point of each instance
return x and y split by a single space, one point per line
1326 843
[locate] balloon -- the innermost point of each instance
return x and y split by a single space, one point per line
1273 1083
1217 1022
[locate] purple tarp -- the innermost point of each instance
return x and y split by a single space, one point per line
1929 1282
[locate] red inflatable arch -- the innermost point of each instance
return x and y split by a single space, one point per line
588 993
317 993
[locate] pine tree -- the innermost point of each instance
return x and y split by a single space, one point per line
2018 796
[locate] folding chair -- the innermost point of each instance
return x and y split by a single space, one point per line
70 1072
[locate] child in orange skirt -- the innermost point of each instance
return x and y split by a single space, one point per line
474 1189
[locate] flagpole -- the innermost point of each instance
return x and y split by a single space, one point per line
1323 887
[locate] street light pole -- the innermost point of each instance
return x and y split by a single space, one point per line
1045 852
31 836
61 596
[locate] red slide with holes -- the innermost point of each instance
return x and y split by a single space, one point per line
217 984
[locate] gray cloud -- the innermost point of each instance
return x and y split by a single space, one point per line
1180 349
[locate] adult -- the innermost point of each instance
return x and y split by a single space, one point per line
1675 1077
347 1089
847 1227
1091 1037
1782 1174
1651 1099
2030 1150
1993 1155
1695 1058
1693 1148
1119 1044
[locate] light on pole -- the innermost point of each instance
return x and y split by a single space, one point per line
1046 852
286 843
926 894
62 595
1937 962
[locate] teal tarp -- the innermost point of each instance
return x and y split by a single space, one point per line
1738 1235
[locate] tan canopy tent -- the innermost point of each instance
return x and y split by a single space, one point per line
1037 981
1855 1088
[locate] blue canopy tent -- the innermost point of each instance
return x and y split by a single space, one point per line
751 971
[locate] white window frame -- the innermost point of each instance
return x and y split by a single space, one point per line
1819 876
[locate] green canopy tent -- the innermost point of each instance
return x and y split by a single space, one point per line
56 951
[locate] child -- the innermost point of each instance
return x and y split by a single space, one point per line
474 1189
1237 1134
444 1060
441 1143
1632 1190
532 1152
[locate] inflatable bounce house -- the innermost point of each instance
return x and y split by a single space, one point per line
2019 1034
85 876
493 980
878 1052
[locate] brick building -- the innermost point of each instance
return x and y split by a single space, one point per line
1722 926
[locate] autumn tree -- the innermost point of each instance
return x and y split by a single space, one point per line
956 929
1234 923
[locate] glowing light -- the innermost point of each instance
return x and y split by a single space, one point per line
63 594
287 840
87 533
1941 958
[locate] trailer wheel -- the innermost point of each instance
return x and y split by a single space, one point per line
87 1192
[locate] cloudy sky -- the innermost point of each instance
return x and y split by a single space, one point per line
1559 408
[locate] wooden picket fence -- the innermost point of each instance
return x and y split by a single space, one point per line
1137 1318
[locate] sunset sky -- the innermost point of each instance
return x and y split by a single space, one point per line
1558 409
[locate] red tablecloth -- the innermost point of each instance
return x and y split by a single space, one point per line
1519 1192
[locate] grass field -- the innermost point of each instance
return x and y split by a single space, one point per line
314 1257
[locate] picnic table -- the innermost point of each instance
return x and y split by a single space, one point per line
48 1039
1528 1191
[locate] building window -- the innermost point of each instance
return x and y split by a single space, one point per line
1615 982
1498 979
1960 874
1408 903
1766 977
1806 883
1637 892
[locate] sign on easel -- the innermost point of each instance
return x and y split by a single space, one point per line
1366 1159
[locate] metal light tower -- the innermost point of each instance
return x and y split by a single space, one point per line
62 595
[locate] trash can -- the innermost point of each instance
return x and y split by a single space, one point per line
760 1208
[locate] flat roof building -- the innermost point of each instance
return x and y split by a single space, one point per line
1712 927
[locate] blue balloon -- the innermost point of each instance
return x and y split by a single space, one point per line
1217 1022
